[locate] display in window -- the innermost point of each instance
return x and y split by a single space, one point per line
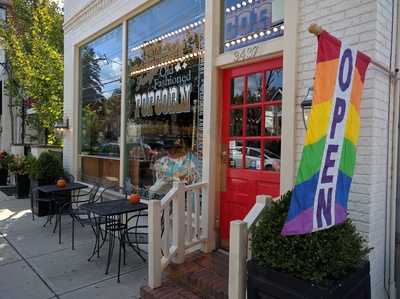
165 96
178 165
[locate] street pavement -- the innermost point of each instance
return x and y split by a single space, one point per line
33 265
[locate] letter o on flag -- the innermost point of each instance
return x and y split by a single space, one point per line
346 57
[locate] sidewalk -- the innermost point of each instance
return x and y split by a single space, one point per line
33 265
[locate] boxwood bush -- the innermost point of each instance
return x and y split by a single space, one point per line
47 168
319 257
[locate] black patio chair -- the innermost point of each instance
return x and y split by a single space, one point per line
136 235
78 214
110 226
133 236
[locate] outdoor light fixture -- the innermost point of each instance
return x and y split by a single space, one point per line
306 105
61 126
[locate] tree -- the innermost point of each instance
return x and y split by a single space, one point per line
91 82
33 41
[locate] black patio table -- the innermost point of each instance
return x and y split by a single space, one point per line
112 211
53 189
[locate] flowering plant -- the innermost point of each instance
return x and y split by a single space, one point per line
5 159
21 165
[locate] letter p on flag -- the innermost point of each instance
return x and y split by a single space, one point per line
319 198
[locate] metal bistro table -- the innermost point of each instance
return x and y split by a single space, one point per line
53 190
112 212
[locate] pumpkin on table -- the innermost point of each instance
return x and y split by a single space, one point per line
134 198
61 183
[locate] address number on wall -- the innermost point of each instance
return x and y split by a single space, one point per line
245 54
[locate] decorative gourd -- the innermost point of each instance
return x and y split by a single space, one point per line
61 183
134 198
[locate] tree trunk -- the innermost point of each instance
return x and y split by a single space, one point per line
23 118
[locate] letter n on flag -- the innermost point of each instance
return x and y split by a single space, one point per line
319 198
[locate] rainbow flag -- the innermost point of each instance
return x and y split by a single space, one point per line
319 198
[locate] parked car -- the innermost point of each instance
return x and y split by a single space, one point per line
253 158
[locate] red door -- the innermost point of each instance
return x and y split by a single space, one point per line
251 123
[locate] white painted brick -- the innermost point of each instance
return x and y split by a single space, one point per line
366 25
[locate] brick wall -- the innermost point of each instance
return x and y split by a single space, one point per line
365 24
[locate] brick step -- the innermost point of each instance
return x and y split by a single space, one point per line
169 290
204 274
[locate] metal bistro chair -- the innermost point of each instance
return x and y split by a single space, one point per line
107 226
77 213
137 235
133 236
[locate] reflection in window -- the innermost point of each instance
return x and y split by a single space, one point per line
254 84
253 122
235 154
236 123
274 85
272 155
237 90
165 96
251 21
100 94
273 120
253 155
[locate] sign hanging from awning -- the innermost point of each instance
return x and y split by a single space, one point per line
319 198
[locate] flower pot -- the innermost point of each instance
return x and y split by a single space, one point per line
3 176
264 282
22 184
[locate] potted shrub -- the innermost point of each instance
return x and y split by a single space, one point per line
20 166
45 171
5 159
332 263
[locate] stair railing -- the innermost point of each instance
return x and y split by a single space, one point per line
239 249
177 224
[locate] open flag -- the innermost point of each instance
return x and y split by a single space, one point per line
319 198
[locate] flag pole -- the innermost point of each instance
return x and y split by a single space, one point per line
317 30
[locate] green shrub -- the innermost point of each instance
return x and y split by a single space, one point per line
21 165
318 257
5 159
48 168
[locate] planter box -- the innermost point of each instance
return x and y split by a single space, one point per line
22 185
264 282
3 177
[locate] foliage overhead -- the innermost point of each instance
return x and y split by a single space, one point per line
33 41
318 257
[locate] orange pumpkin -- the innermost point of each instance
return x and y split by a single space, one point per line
61 183
134 198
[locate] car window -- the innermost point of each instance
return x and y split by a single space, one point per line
254 153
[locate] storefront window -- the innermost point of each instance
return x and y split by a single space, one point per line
165 96
247 22
100 99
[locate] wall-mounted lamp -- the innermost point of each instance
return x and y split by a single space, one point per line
62 125
306 105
